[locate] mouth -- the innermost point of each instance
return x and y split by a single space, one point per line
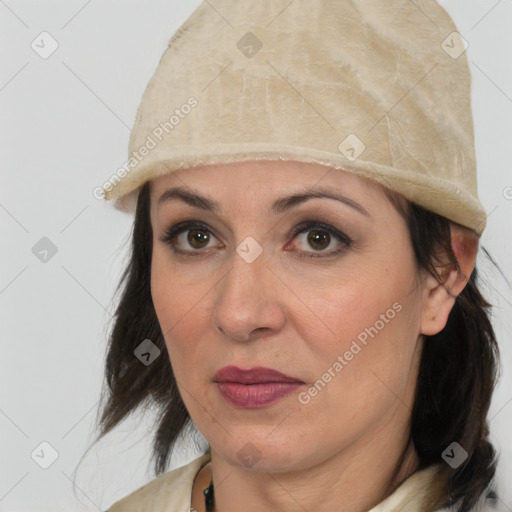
254 387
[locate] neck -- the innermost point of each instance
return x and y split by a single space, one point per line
357 478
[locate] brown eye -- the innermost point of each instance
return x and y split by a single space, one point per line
319 239
188 238
198 238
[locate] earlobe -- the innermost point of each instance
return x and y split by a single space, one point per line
440 296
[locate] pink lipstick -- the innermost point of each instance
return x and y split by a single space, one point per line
255 387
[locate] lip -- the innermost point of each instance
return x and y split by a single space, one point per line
254 387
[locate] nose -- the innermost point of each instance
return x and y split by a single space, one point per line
248 300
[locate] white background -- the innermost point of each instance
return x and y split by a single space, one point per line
65 123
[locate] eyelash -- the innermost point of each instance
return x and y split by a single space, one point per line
171 233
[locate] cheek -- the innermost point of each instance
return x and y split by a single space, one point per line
369 349
364 305
179 305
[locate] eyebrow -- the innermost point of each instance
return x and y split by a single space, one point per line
279 206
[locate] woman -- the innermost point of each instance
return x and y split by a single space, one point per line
302 285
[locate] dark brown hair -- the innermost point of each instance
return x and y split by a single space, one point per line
457 376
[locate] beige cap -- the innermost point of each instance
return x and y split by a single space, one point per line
381 89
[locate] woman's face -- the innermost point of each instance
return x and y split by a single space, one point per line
323 291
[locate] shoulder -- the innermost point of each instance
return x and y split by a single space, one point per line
419 491
167 493
488 502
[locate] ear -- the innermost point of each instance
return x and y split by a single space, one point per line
440 295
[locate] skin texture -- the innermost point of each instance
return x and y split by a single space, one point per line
297 315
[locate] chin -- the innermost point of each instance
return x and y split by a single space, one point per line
260 449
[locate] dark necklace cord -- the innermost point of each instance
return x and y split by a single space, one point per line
208 497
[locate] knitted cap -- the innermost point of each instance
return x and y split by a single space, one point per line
380 89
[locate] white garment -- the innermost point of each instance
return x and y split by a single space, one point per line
171 492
